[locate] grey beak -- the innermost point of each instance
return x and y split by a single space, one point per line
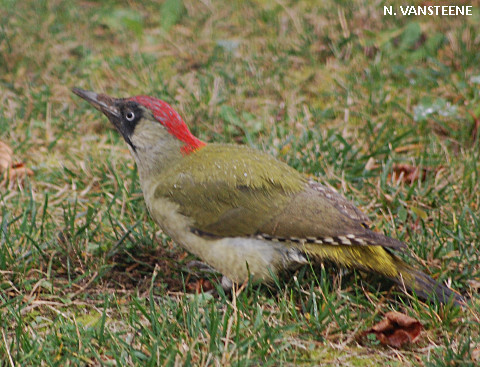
101 102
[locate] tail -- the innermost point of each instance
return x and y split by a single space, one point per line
422 285
379 260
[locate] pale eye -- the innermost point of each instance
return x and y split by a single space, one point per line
130 116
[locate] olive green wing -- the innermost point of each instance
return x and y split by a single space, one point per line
319 215
229 190
232 190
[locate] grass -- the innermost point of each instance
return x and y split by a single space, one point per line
336 89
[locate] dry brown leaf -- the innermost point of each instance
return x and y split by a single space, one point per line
14 171
199 285
396 329
411 174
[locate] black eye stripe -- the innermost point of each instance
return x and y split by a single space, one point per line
131 115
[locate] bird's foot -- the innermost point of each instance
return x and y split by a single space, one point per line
225 283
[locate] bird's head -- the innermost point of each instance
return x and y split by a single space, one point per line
145 117
153 130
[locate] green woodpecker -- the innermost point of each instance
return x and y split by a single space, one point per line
242 211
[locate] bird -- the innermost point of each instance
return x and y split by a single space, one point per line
243 212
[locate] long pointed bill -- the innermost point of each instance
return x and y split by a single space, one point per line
101 102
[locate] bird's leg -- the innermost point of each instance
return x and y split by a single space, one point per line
226 283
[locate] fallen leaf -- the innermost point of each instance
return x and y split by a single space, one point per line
14 171
200 285
396 329
409 173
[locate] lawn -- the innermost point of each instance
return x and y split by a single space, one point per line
383 108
